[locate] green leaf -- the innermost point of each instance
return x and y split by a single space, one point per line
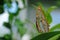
21 28
7 37
58 3
7 25
18 22
11 16
48 17
57 26
46 36
58 38
50 9
55 37
24 1
1 9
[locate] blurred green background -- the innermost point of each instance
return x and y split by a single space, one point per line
18 19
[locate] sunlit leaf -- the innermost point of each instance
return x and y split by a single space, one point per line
46 36
48 17
57 26
50 9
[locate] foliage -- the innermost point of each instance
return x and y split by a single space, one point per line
7 25
56 37
1 6
57 26
6 37
21 28
45 36
48 15
50 35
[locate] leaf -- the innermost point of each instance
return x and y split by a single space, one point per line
1 9
11 16
55 37
58 38
50 9
7 25
18 22
24 2
57 26
46 36
21 28
58 3
6 37
48 17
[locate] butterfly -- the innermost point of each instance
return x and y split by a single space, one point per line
41 23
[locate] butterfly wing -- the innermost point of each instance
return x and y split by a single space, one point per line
41 22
